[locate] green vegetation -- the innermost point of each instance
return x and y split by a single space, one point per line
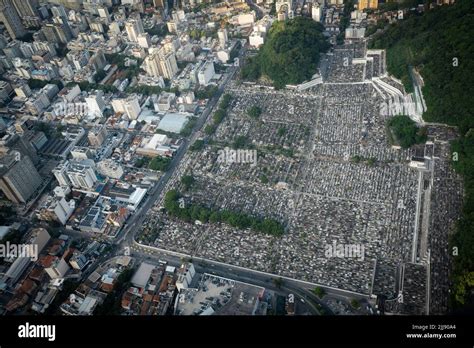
35 83
219 68
254 111
69 286
372 28
225 101
278 282
430 43
290 54
201 6
141 162
49 129
62 50
264 179
99 75
439 44
241 142
280 150
371 161
320 309
87 86
320 292
345 21
463 240
210 129
6 212
188 127
196 34
404 131
160 163
207 92
197 145
112 304
219 115
192 212
355 304
281 131
119 60
187 181
171 135
399 5
144 89
273 9
160 30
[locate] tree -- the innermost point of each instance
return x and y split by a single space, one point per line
210 129
278 282
112 303
225 102
254 111
160 163
187 181
240 142
140 162
320 292
355 303
197 145
219 116
188 128
405 132
215 217
192 212
290 54
371 161
206 92
99 75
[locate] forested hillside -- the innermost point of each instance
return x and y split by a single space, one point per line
290 54
440 43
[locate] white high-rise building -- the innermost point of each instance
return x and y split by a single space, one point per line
132 107
60 174
168 64
114 28
95 104
58 269
129 106
222 35
144 40
151 65
81 175
316 12
161 64
284 8
56 209
205 73
64 209
97 135
10 19
134 27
